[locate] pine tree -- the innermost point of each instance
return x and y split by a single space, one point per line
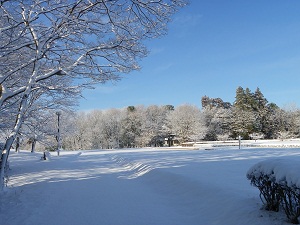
243 123
272 122
249 103
239 126
245 117
260 101
261 110
253 114
240 98
205 101
210 103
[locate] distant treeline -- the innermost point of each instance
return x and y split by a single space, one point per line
250 116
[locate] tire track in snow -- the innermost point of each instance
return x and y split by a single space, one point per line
131 169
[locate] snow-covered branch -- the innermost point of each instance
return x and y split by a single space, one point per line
45 42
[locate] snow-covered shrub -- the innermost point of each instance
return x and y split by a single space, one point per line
268 189
278 181
291 202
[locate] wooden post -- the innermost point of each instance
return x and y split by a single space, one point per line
58 133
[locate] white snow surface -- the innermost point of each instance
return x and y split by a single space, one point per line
137 187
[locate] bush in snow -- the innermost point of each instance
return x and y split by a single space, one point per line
291 202
278 181
268 190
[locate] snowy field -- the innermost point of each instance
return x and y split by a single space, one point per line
137 187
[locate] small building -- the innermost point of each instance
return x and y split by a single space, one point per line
171 140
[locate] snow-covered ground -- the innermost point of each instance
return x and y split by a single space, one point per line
137 187
274 143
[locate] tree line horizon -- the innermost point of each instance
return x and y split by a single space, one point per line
250 116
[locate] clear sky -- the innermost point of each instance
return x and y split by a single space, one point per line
212 47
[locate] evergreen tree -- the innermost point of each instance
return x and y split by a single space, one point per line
169 107
272 122
242 120
205 101
243 123
260 101
262 112
249 103
217 121
210 103
240 98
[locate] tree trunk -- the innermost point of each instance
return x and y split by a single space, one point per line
17 144
4 157
19 120
33 145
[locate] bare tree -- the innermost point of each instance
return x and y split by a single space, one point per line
132 122
86 41
112 128
152 127
95 123
187 123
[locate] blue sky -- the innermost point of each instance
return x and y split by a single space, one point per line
212 47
